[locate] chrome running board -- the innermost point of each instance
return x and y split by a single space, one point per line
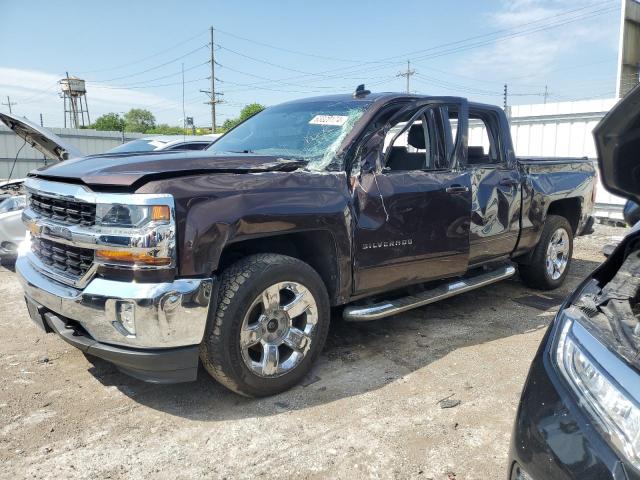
364 313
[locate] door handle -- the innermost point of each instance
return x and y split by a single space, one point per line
509 182
457 189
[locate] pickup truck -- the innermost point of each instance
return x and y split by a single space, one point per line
235 256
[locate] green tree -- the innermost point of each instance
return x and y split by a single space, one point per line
109 121
139 120
164 129
228 124
248 111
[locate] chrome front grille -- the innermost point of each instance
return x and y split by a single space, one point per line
61 258
66 211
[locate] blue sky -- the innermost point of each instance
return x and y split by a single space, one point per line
131 52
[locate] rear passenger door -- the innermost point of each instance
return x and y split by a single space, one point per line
495 187
412 205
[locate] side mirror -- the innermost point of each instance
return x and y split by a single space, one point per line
371 152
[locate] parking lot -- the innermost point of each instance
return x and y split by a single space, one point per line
370 409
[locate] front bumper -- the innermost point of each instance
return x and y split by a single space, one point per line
168 365
553 437
170 318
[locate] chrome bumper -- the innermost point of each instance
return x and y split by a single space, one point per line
166 314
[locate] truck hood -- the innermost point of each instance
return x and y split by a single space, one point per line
127 169
40 138
617 138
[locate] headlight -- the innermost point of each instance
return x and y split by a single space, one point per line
607 386
145 230
130 216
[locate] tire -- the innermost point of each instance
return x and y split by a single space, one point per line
535 273
247 312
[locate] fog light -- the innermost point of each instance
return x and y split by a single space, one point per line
126 318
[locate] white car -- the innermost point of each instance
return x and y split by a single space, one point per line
12 229
165 142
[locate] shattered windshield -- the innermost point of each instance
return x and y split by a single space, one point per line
310 131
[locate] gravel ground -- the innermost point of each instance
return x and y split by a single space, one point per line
370 408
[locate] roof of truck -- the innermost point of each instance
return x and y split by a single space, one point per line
386 96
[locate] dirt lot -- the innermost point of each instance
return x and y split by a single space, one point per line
369 410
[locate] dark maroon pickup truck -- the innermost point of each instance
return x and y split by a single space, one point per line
235 256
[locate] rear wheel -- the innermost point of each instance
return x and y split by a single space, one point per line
270 325
551 258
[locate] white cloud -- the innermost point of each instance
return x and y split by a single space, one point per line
36 93
534 55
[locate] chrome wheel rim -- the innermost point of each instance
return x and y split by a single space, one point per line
558 253
277 331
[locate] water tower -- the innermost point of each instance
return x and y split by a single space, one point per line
74 95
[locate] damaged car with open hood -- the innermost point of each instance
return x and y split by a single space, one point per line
579 414
234 257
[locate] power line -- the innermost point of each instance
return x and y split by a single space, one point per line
353 69
287 50
153 68
512 34
108 87
257 87
270 80
140 60
266 62
39 93
151 80
508 29
519 34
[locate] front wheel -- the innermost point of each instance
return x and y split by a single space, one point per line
551 258
270 325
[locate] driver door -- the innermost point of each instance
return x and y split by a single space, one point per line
412 203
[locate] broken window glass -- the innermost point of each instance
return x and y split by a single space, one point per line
312 131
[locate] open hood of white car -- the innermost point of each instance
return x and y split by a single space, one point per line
40 138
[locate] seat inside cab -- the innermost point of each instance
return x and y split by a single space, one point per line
412 155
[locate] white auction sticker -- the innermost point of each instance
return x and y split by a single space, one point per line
334 120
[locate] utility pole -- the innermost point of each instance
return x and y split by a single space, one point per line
41 122
184 115
505 97
546 94
8 104
213 95
213 83
407 74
